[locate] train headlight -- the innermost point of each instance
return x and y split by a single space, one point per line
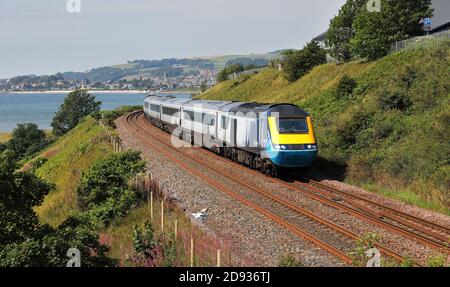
277 147
283 147
309 146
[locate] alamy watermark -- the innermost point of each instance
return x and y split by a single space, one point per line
73 6
374 256
74 256
374 6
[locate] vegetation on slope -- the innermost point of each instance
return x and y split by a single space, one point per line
67 159
383 122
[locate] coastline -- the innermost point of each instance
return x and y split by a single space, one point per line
68 91
102 92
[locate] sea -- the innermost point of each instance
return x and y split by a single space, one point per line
40 108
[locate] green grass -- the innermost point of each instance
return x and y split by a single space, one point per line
408 196
71 155
365 132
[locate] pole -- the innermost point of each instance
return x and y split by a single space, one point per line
176 229
162 216
151 206
192 252
218 257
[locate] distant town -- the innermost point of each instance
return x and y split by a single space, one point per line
147 75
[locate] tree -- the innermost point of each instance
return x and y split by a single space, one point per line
27 139
341 30
23 241
398 20
19 193
298 63
77 105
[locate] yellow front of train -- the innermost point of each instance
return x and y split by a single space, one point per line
293 142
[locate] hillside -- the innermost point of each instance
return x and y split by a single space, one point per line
66 160
385 125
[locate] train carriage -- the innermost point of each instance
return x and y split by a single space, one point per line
267 137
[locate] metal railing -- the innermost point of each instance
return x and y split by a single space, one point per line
421 41
234 76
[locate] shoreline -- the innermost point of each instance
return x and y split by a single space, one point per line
101 92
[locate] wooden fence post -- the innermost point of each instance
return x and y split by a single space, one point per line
151 206
192 252
218 257
176 229
162 216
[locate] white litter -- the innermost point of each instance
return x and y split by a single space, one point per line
200 215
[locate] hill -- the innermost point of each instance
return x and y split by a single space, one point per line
384 124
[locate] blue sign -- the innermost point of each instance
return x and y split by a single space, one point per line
427 22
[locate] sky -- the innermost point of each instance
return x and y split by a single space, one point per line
42 37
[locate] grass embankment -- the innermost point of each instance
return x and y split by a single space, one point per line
4 137
385 126
67 159
74 154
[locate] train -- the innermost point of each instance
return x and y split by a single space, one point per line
268 137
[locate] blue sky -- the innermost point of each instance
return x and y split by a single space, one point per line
40 37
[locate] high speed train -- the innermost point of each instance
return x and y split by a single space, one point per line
266 137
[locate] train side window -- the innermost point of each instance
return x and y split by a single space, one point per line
169 111
189 115
154 108
208 119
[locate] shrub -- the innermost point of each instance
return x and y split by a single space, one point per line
298 63
145 244
394 101
289 261
107 176
437 260
225 72
363 244
27 139
103 193
345 87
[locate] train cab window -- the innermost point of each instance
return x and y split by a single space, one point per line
225 122
292 126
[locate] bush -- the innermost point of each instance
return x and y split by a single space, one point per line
298 63
145 245
437 260
225 72
108 117
394 101
345 87
103 192
26 140
362 245
289 261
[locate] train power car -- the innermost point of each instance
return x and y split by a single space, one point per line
266 137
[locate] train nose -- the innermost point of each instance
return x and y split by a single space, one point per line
301 158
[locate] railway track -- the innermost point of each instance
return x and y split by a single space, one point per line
438 234
298 220
417 229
